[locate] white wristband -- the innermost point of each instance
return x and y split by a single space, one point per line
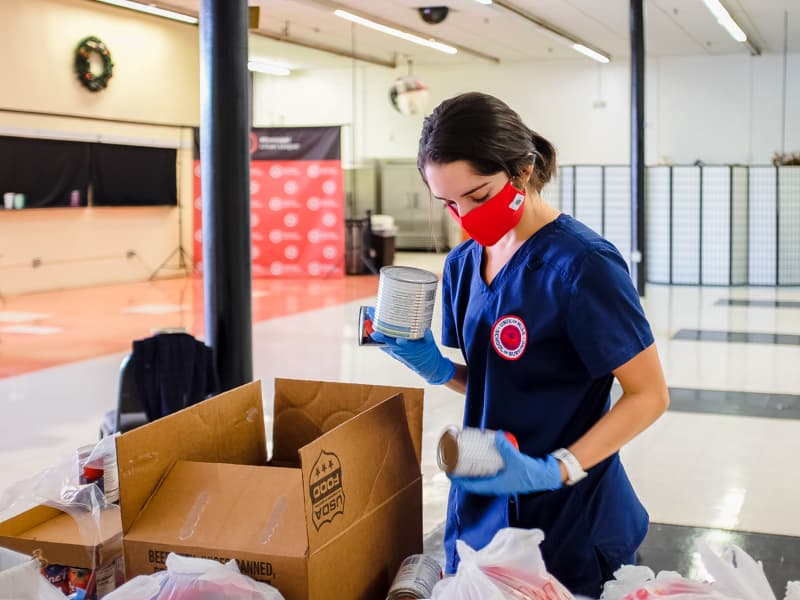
574 469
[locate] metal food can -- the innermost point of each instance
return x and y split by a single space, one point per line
404 307
415 578
109 577
470 452
101 470
110 477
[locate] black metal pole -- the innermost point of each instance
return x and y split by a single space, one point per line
637 146
225 173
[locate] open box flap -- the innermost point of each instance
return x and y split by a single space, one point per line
354 468
228 428
71 539
304 410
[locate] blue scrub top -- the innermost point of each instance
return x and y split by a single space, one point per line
540 343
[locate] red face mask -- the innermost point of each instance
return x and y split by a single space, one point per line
490 221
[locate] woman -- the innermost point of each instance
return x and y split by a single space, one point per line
546 316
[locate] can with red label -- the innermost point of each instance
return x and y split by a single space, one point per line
89 471
470 452
100 470
415 578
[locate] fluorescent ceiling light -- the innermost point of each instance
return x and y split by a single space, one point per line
726 20
409 37
602 58
152 10
552 31
487 2
733 30
268 68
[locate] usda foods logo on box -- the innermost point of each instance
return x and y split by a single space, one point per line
325 489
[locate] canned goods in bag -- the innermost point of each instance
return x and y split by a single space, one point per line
89 472
404 306
470 452
415 578
101 470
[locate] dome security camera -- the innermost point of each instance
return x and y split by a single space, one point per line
433 15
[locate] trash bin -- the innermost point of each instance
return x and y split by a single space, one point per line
384 234
355 229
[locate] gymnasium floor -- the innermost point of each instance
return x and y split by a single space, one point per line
721 464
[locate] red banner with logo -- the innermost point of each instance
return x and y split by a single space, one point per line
296 203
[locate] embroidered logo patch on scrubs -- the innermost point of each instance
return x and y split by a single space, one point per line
509 337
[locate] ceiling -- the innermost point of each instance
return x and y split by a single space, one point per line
487 33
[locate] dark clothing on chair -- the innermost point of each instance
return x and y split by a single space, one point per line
172 371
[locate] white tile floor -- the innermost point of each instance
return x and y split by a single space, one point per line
690 469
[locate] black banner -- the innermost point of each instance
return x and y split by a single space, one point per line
50 173
133 175
290 143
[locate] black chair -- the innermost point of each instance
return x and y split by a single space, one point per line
129 412
163 373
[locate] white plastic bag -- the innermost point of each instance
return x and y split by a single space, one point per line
195 579
638 583
736 573
60 487
736 577
792 590
469 583
21 579
510 566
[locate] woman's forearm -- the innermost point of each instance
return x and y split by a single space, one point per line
459 381
645 398
632 414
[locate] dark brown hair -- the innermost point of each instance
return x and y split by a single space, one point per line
485 132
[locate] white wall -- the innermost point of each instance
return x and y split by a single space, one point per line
156 80
718 109
156 73
723 109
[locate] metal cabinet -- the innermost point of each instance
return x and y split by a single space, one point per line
360 189
421 222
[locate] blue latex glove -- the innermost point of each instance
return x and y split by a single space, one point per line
421 356
521 475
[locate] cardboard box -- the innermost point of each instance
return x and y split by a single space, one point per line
74 540
332 515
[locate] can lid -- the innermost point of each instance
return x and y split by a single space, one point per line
408 274
447 450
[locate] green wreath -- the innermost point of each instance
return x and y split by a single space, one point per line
83 67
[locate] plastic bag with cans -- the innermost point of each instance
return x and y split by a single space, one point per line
21 579
84 482
736 576
509 567
195 579
84 487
